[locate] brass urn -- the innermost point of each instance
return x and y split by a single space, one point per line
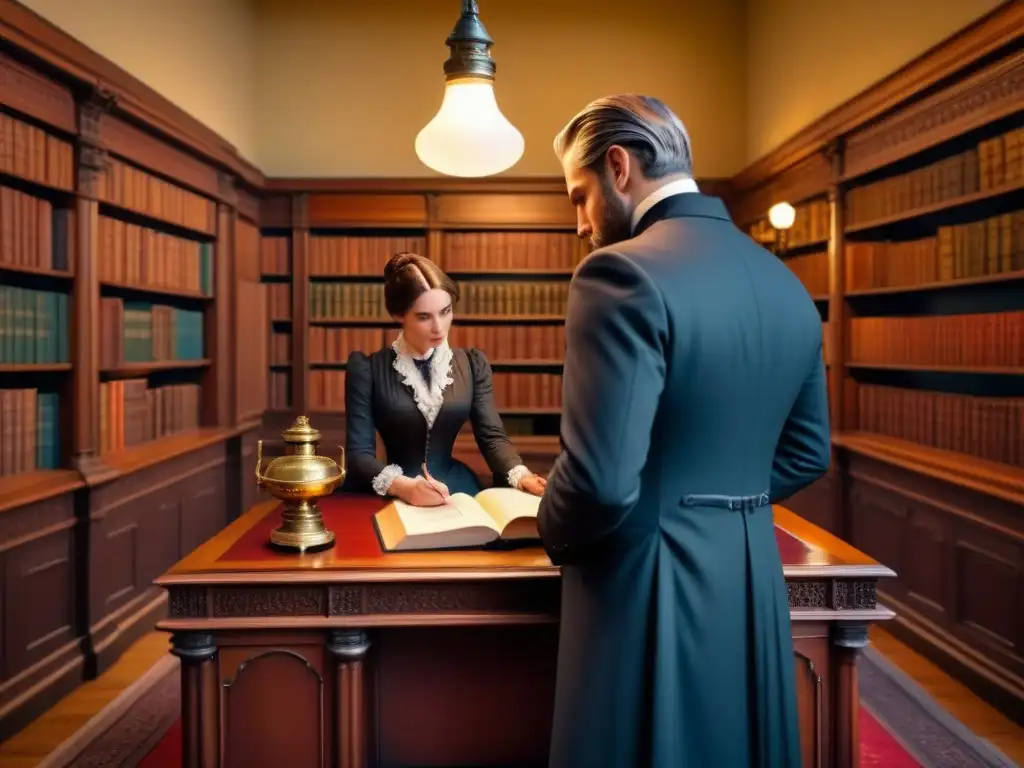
299 478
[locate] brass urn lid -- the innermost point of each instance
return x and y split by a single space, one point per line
301 432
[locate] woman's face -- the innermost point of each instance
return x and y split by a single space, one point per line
427 322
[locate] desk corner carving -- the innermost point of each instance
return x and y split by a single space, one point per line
187 602
853 595
268 601
832 594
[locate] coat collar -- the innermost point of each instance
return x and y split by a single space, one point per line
677 187
682 206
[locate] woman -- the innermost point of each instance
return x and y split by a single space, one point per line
418 393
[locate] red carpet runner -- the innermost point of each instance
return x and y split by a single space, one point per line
878 748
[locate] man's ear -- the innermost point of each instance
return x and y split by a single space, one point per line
617 161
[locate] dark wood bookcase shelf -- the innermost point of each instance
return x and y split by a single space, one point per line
123 426
921 201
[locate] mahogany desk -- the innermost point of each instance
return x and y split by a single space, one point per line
354 657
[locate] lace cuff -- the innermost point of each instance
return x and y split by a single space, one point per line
516 474
382 482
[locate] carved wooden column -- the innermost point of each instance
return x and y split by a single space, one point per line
200 716
218 388
91 174
837 290
837 325
850 638
349 647
300 304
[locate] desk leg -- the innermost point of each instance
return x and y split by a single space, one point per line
199 701
849 639
349 646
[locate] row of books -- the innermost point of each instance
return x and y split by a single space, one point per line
34 326
280 390
33 154
331 255
512 391
991 246
136 190
528 390
812 269
280 348
29 431
501 343
139 332
146 258
979 340
33 234
989 428
328 301
275 255
133 413
508 343
365 255
279 300
497 251
997 162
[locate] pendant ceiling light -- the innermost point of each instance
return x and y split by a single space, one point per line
469 136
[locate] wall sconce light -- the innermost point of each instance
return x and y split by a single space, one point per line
782 215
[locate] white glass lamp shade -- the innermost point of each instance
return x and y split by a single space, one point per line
782 215
469 136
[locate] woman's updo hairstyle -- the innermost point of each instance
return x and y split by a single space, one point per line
407 276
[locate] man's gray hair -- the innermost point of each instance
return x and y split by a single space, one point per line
641 124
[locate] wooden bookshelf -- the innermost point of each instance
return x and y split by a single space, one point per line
910 220
124 427
512 250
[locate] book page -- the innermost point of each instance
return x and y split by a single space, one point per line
462 512
508 504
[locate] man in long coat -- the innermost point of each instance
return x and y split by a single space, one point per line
694 397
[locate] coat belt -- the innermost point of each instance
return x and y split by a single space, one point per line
735 503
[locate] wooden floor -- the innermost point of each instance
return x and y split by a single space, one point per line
28 748
974 713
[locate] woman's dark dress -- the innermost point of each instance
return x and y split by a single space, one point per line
381 399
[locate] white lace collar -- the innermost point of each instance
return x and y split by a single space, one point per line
428 399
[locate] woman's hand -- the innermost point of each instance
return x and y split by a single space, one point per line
420 492
534 484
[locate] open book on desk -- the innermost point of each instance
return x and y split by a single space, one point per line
495 516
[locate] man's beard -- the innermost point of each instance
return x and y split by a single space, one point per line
616 220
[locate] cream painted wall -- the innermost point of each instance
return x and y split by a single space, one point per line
806 57
197 53
345 86
340 87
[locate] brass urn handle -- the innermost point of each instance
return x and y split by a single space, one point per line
341 464
259 463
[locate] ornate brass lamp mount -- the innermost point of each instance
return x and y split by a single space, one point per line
299 478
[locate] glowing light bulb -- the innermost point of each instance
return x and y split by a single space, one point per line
469 136
782 215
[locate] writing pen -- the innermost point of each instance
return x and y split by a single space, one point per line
433 483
